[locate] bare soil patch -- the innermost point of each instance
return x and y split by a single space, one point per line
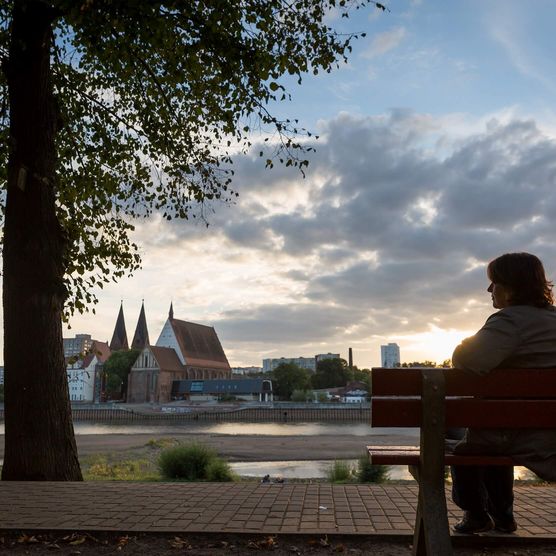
86 544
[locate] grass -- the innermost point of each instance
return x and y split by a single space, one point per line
143 464
161 443
343 472
369 473
98 468
340 472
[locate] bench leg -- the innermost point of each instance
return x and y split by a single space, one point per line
431 536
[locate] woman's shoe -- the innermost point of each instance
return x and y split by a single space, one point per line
474 523
505 525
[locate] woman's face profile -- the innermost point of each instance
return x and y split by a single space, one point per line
500 295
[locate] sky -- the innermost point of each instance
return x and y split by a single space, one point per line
436 153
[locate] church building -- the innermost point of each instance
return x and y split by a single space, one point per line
184 350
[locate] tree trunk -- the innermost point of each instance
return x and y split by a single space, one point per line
39 440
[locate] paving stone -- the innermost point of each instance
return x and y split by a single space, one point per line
266 509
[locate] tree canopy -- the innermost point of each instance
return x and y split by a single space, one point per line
331 373
153 100
112 110
117 368
445 364
289 377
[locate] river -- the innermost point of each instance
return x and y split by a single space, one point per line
218 434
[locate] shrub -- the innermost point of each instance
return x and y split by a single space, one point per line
219 471
339 472
301 396
188 461
369 473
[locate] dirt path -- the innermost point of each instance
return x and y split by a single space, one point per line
243 447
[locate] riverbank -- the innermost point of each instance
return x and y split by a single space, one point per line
240 447
245 447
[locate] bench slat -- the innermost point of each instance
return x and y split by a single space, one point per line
474 413
379 456
499 383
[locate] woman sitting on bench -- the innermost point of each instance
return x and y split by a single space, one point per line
521 334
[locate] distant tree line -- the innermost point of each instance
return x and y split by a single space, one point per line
117 369
447 363
291 382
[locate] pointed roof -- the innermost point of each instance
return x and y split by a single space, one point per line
141 336
101 350
199 344
166 358
171 311
119 338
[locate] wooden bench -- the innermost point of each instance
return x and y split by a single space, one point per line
435 399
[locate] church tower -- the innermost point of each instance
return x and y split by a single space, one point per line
119 338
141 336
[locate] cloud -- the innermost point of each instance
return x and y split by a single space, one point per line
387 237
384 42
512 28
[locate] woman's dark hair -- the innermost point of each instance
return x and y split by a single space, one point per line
524 275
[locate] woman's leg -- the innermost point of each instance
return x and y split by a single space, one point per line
468 488
499 482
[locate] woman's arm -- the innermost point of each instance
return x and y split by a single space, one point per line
495 342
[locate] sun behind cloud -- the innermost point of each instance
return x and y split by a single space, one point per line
436 344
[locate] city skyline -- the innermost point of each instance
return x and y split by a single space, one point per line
435 154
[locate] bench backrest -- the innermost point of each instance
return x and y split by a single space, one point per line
504 398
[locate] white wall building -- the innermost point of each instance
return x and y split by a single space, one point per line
308 363
322 356
390 355
246 370
81 379
84 373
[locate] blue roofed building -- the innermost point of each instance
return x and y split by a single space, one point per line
248 389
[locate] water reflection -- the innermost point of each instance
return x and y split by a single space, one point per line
317 469
263 429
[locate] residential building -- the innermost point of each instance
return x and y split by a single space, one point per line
246 370
309 363
183 351
85 374
81 344
352 392
322 356
390 355
304 362
249 389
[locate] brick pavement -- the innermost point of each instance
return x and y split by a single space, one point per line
387 510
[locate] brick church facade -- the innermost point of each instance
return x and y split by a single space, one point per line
184 350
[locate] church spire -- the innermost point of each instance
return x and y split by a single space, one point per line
171 311
119 338
141 336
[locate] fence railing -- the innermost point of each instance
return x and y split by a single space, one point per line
345 413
